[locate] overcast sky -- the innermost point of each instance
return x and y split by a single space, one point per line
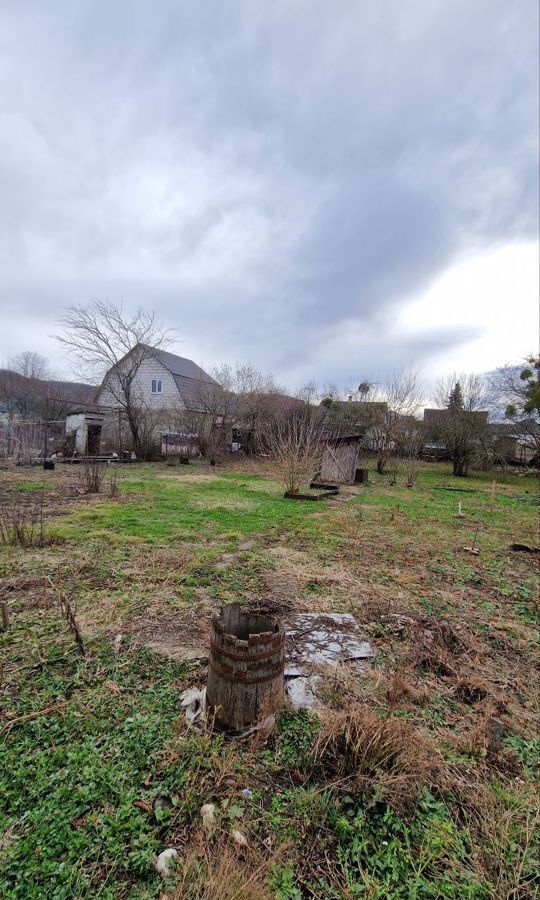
327 188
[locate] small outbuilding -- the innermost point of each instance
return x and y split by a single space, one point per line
86 428
340 459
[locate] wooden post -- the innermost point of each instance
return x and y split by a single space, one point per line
492 496
245 667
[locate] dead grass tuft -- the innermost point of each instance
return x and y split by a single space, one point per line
436 647
387 756
471 690
218 869
441 635
427 660
400 688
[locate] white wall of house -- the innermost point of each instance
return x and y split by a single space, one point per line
149 370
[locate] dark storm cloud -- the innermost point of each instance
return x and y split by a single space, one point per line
275 179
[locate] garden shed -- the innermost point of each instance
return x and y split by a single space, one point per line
85 429
340 459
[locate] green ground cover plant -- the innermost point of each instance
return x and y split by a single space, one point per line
391 789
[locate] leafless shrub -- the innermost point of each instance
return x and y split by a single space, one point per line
67 609
92 475
394 471
114 490
410 464
296 444
21 523
68 612
20 443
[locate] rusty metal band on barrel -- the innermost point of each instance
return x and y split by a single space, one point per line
238 679
244 657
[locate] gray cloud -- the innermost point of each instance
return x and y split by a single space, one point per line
275 179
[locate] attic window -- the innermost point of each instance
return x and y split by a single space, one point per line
156 385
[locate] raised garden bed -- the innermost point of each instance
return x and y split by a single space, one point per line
319 495
318 485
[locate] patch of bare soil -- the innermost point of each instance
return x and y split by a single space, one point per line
56 493
180 635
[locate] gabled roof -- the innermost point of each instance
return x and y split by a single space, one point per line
182 367
188 376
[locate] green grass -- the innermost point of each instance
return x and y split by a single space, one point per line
77 783
28 487
158 509
67 811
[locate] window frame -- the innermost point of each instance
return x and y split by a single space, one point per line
159 386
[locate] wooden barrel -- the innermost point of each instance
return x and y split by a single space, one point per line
245 667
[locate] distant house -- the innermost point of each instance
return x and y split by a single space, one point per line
162 381
516 442
169 390
439 423
435 419
353 416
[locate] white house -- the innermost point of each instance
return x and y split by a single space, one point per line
161 382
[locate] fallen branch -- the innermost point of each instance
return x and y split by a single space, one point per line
42 712
69 615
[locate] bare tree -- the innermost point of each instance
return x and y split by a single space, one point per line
516 389
462 423
31 365
216 405
23 385
112 345
258 403
242 397
390 412
296 443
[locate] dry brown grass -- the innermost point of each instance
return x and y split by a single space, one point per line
298 570
387 756
400 688
221 871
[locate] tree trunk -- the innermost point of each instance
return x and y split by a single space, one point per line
461 465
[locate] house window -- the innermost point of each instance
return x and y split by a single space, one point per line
156 385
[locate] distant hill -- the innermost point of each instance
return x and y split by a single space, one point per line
34 396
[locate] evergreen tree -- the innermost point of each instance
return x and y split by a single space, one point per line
455 399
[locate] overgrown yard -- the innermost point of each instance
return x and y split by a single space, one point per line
415 779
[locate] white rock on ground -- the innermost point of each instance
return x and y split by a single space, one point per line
208 816
239 838
193 702
164 864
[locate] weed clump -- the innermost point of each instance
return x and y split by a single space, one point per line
217 870
388 756
21 523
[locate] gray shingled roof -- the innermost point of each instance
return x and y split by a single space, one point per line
179 365
187 375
